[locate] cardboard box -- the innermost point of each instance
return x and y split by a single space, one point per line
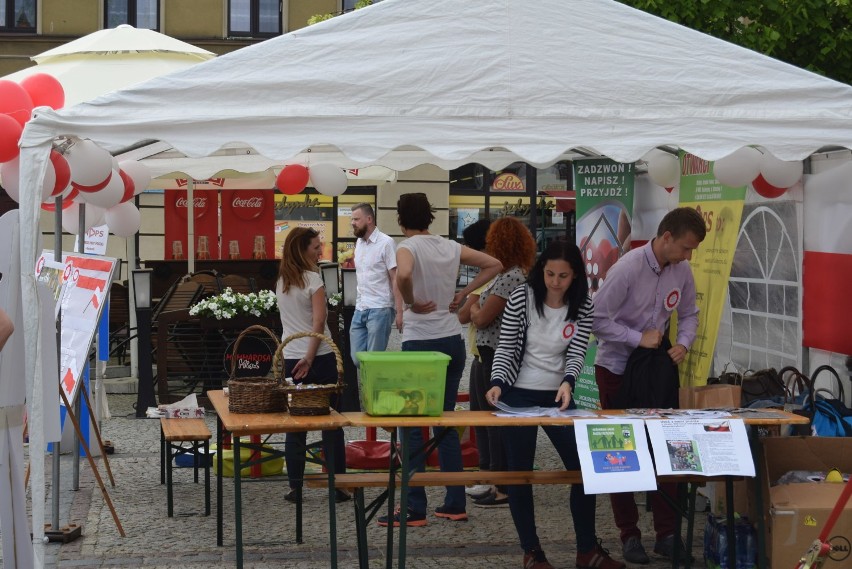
796 513
717 497
799 513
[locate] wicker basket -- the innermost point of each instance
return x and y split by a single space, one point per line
316 399
255 394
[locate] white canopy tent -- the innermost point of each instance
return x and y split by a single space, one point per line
407 82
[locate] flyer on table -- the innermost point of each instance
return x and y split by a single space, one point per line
614 454
709 447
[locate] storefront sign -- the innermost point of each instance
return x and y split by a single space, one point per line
248 224
252 359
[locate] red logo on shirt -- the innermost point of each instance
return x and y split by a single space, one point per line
568 331
673 299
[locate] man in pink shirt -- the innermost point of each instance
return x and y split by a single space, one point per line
632 309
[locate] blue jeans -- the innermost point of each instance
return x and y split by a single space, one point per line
449 449
370 330
520 453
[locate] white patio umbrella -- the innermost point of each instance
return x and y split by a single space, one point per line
108 60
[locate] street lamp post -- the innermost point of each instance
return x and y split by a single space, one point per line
142 296
351 400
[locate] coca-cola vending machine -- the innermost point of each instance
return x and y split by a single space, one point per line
248 224
206 226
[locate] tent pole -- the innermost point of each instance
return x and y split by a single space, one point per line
190 225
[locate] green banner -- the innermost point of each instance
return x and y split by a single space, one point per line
604 212
722 208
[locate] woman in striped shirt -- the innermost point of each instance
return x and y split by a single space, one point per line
541 351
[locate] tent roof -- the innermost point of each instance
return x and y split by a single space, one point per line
451 79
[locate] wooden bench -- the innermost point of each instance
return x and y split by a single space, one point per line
174 433
363 514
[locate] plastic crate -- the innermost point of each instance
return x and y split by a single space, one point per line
403 383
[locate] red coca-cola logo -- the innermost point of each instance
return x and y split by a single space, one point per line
201 204
248 204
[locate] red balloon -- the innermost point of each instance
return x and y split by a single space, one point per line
96 187
63 172
51 206
129 186
767 190
15 102
10 135
292 179
44 90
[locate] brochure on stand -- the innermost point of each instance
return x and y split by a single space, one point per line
614 454
710 447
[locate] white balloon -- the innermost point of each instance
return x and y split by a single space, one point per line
780 173
139 173
9 176
328 179
738 168
108 196
10 173
124 219
71 217
89 163
663 168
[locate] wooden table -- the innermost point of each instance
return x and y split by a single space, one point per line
242 424
489 419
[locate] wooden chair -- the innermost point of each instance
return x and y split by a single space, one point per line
237 283
119 321
209 281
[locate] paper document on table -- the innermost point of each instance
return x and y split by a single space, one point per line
614 454
509 411
709 447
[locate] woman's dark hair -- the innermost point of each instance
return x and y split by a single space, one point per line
413 211
576 294
474 234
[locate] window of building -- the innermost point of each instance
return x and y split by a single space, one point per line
144 14
254 18
348 5
18 16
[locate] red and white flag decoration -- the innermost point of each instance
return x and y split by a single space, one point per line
827 267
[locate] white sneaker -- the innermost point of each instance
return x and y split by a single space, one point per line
477 490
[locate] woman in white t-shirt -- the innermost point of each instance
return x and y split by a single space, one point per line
541 351
302 306
427 267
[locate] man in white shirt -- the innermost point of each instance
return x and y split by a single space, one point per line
378 304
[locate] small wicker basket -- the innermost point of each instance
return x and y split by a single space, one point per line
310 399
255 394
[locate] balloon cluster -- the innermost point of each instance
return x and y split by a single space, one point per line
83 173
663 168
327 179
769 176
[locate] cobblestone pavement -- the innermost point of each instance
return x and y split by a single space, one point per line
154 540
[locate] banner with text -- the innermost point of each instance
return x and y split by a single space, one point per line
248 224
206 224
604 191
721 207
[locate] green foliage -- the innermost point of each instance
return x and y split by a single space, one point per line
811 34
317 18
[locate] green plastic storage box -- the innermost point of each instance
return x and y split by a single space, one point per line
403 383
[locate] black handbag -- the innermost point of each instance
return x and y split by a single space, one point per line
763 385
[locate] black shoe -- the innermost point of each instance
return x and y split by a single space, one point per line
665 548
342 496
492 501
292 496
413 519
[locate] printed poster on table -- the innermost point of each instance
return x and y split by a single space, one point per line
722 208
614 454
708 447
604 191
80 290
